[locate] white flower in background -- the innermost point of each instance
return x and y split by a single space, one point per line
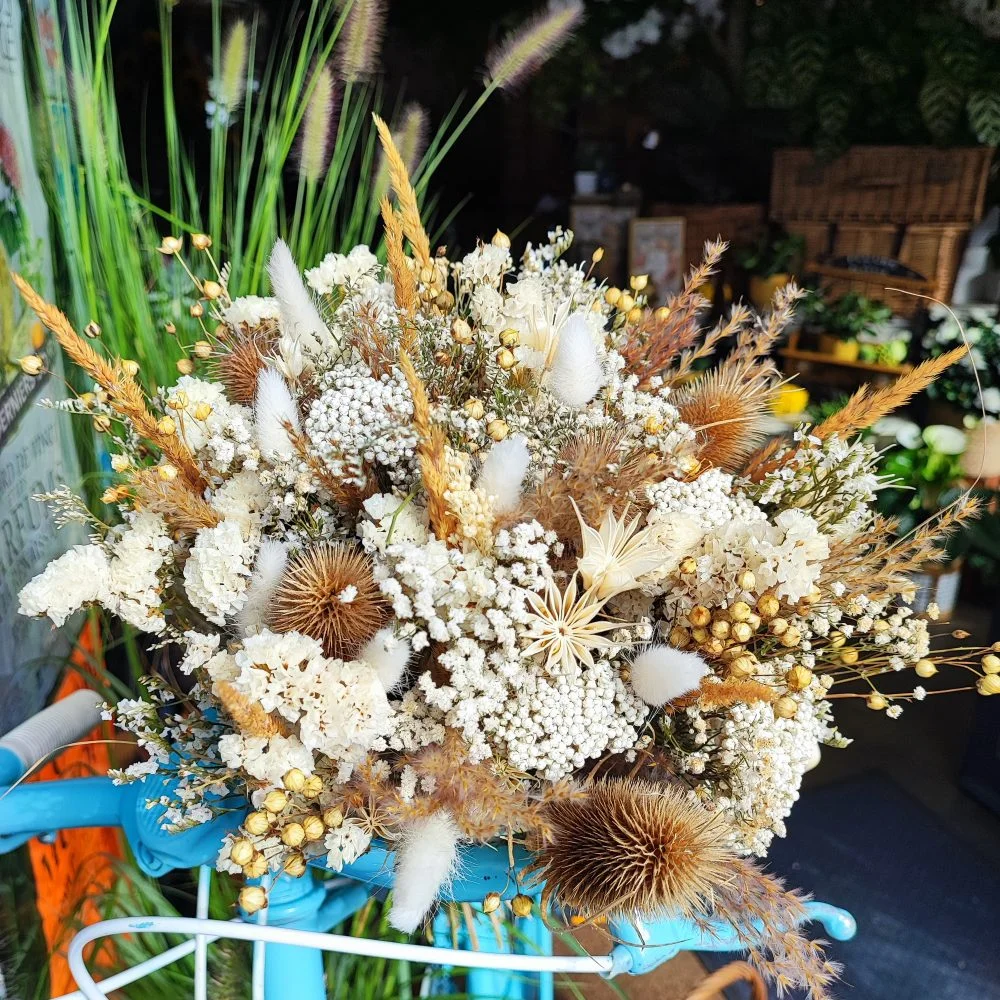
486 264
357 271
252 310
346 844
618 556
218 569
626 41
78 577
563 625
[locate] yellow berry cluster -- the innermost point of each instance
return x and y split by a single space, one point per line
520 904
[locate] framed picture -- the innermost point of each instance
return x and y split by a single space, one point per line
656 247
601 224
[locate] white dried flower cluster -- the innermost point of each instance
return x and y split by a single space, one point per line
218 568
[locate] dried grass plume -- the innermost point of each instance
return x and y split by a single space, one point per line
523 51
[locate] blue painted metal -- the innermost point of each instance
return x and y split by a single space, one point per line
307 903
11 767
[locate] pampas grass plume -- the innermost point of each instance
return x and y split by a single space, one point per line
267 572
661 673
576 373
231 81
300 318
274 410
425 860
361 39
316 136
525 50
503 472
388 654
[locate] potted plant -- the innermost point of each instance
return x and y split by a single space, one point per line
839 324
885 343
924 474
771 263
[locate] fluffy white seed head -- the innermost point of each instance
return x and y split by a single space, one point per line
272 557
388 654
300 319
577 372
425 861
503 472
662 673
274 411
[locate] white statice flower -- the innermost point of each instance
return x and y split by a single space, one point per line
218 569
251 310
346 843
485 265
268 758
357 271
224 439
139 551
77 578
339 706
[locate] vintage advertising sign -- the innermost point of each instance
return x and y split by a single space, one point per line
36 447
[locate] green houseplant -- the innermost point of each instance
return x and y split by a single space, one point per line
839 323
771 263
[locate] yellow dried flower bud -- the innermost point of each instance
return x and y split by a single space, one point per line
196 309
102 423
876 702
626 303
211 290
426 275
713 646
32 364
200 241
753 621
746 580
732 652
699 616
995 647
521 905
720 629
474 408
166 472
171 245
634 314
509 337
242 852
252 898
506 359
333 817
293 834
170 328
791 637
491 902
203 411
778 626
991 663
257 823
461 332
202 349
662 314
444 301
613 296
798 678
652 424
92 330
849 656
185 366
742 632
638 282
110 495
257 867
314 828
679 637
880 626
742 666
313 786
960 633
501 240
785 707
598 255
925 668
837 640
295 865
178 401
121 462
813 596
739 611
130 367
990 684
699 634
275 801
166 425
688 565
497 429
294 780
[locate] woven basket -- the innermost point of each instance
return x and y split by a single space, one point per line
900 184
865 239
816 236
935 251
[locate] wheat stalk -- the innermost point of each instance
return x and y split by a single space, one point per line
409 211
403 280
124 394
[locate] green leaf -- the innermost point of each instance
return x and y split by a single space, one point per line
984 115
940 102
762 66
806 56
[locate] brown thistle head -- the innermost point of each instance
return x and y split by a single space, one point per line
328 592
241 359
633 849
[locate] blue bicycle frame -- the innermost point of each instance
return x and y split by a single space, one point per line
313 904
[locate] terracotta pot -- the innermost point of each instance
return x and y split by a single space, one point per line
842 350
762 289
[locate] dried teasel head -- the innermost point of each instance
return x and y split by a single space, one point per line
328 592
632 849
240 361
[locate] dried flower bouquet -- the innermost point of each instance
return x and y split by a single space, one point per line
456 550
